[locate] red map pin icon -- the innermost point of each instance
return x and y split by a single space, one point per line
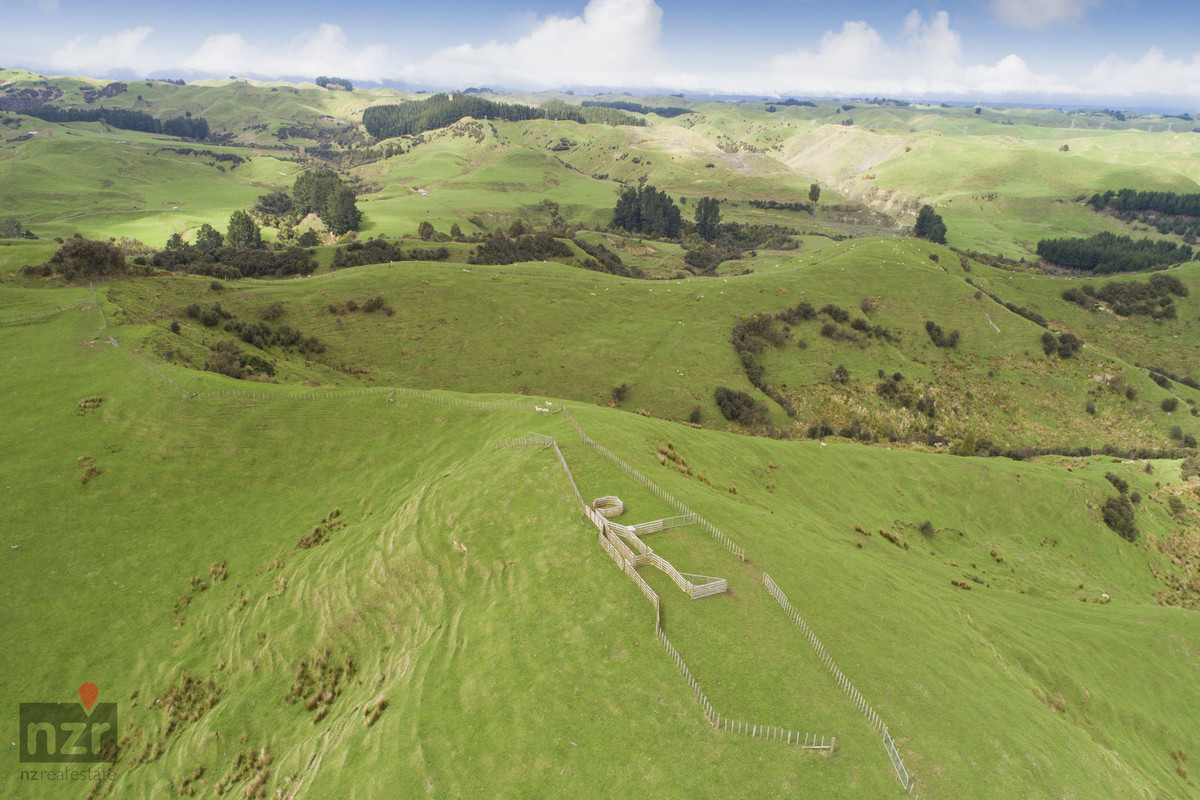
88 693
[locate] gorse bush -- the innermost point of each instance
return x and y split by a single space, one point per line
500 248
940 337
1118 515
835 313
739 406
1119 483
1067 345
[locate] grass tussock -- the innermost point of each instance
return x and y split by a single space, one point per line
186 701
320 532
318 682
250 767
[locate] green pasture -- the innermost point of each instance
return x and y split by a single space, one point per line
551 329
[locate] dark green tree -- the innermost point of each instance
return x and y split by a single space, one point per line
175 243
243 232
10 228
648 210
274 204
309 238
312 189
708 218
341 213
426 230
929 226
814 192
209 238
628 212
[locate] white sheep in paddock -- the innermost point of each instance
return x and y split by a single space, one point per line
542 410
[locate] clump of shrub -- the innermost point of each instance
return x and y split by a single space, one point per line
1077 297
186 701
738 406
226 358
252 765
820 429
1119 483
319 682
379 250
1154 299
1118 515
271 311
1169 404
1189 467
1066 345
939 337
368 306
835 313
320 533
618 394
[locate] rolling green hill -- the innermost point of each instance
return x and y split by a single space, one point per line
330 578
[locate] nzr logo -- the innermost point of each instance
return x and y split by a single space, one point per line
69 732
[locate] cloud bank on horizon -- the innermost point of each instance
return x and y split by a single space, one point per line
624 44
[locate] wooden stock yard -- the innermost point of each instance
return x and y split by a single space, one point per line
621 542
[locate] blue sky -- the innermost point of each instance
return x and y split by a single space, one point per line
1123 52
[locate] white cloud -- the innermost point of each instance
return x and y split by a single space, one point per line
925 60
1041 13
324 50
123 50
613 43
1153 73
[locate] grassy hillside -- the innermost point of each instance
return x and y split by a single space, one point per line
552 329
465 588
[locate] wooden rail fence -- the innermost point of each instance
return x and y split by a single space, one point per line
658 491
613 540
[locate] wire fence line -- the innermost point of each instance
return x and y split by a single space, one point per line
611 542
147 365
36 316
453 266
350 393
848 687
657 490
